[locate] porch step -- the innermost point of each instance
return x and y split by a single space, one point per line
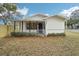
41 35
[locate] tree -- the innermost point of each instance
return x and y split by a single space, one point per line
74 19
6 11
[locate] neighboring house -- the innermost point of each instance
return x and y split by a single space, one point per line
41 24
74 26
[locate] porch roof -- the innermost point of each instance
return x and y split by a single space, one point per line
35 17
29 20
40 17
32 19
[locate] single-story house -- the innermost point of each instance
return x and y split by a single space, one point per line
41 24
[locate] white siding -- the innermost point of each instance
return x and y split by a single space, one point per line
54 25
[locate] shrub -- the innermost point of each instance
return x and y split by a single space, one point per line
56 34
20 34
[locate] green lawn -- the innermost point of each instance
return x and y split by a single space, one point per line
54 45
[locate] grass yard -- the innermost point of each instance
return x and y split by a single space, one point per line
71 44
44 46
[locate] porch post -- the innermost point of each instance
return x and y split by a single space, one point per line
22 26
29 27
43 27
37 26
14 26
19 26
46 28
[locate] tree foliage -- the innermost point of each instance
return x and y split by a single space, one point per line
6 11
10 6
74 18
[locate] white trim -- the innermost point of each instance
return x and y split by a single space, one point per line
46 27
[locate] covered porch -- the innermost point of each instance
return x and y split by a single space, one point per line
37 27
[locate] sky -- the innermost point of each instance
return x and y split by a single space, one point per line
46 8
28 9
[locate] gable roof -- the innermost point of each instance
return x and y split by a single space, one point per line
39 15
56 16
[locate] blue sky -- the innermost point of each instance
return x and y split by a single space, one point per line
46 8
65 9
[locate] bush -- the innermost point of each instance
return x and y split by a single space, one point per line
20 34
56 34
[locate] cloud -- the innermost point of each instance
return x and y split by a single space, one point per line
47 14
67 13
23 11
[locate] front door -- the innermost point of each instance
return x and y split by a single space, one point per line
40 27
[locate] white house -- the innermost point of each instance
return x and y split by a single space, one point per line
41 24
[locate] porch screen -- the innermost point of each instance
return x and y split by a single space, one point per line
31 25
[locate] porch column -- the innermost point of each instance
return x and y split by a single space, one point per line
22 26
19 26
14 25
37 26
29 26
43 27
46 28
